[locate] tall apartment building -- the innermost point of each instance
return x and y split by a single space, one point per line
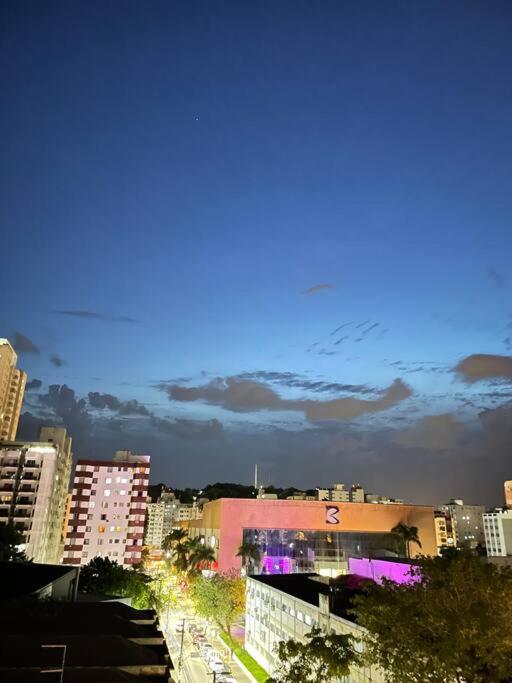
508 493
12 389
108 509
160 519
467 522
34 481
498 532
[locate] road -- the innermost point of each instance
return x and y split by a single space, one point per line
194 669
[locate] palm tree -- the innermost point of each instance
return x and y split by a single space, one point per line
250 554
407 535
201 554
174 538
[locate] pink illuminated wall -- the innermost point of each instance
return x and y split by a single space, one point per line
381 569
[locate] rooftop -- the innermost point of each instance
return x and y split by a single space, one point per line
25 579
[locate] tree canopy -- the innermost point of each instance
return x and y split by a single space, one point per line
101 575
221 598
10 540
320 658
453 624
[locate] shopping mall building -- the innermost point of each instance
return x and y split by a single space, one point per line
308 536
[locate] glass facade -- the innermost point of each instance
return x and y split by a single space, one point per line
284 551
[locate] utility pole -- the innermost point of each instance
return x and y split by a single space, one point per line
180 660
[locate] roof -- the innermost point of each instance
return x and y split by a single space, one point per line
89 675
26 578
308 588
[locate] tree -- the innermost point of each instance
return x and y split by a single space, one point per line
407 535
320 658
10 540
101 575
221 598
250 554
201 555
454 623
174 538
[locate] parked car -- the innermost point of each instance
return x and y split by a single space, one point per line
225 678
217 665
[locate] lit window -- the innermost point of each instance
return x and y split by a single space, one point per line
112 528
108 480
101 529
106 492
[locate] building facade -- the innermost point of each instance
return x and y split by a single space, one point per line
108 510
498 533
445 534
467 523
34 481
288 607
12 390
508 493
302 536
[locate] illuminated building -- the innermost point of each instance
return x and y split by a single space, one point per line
498 533
508 493
108 509
34 480
305 536
12 389
445 534
467 523
284 607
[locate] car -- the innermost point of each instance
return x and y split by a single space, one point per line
217 666
225 677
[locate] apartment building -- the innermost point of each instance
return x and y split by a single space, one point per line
280 607
508 493
339 494
467 522
34 481
108 509
12 390
445 533
498 532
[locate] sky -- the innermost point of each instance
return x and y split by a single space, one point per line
264 232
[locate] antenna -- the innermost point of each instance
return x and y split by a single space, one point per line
256 477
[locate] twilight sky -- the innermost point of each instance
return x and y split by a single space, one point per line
273 232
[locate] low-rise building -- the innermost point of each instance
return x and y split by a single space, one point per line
337 493
382 500
34 480
498 532
284 607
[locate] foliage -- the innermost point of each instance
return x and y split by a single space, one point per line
10 540
453 624
256 671
407 535
200 555
250 554
174 538
221 598
320 658
102 575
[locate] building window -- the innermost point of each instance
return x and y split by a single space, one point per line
106 493
101 529
108 480
88 529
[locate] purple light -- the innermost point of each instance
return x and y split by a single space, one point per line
381 569
278 564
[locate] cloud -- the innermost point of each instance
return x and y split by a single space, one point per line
482 366
57 360
23 344
438 432
240 395
93 315
496 277
33 384
110 402
291 379
318 288
189 429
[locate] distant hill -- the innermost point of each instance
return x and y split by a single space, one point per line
220 490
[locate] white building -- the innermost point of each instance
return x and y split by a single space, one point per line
108 509
498 533
34 481
280 607
337 493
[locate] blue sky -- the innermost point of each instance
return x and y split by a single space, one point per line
197 167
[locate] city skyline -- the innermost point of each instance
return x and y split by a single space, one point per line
265 234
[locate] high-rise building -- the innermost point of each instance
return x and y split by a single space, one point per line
108 509
12 389
34 480
498 532
508 493
467 522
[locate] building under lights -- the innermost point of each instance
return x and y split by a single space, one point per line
307 536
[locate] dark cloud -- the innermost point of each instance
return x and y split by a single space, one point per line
508 343
66 406
33 384
189 429
369 329
340 328
23 344
57 360
291 379
240 395
363 324
318 288
496 277
483 366
93 315
110 402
